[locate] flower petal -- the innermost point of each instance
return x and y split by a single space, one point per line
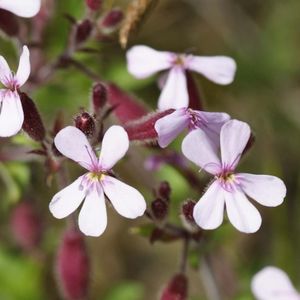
208 212
241 213
92 218
174 94
127 201
11 113
170 126
265 189
67 200
143 61
26 9
219 69
114 146
5 72
198 148
72 143
24 67
233 137
272 283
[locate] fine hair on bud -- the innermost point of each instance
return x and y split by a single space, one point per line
111 20
99 96
85 122
83 31
176 289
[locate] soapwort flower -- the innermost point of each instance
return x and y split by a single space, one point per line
229 188
143 61
22 8
170 126
11 111
98 182
272 283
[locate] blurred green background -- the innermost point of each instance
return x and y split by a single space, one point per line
264 39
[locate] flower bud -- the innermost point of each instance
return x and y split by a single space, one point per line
187 211
26 225
164 190
195 99
111 20
9 23
93 4
85 122
99 96
73 266
83 31
176 289
33 124
159 209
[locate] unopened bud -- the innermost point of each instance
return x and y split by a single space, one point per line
187 211
85 122
83 31
195 99
93 4
111 20
99 96
177 288
164 190
73 266
9 23
159 209
26 225
33 124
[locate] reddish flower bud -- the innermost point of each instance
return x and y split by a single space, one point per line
93 4
177 288
143 129
9 23
83 31
26 225
164 190
73 266
85 122
159 209
127 108
187 211
195 99
99 96
33 124
111 20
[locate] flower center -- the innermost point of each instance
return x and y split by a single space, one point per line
195 120
227 180
95 176
179 60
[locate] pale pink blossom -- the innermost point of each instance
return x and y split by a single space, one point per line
272 283
11 111
170 126
144 61
93 186
22 8
230 189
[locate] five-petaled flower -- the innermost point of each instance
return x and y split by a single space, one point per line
229 188
92 186
22 8
144 61
170 126
11 111
272 283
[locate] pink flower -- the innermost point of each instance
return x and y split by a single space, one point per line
273 284
170 126
11 111
22 8
144 61
229 188
92 186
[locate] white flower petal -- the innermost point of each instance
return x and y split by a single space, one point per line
174 94
209 211
114 146
67 200
127 201
5 72
219 69
72 143
234 137
92 218
265 189
143 61
241 213
11 113
272 283
198 148
22 8
170 126
24 67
